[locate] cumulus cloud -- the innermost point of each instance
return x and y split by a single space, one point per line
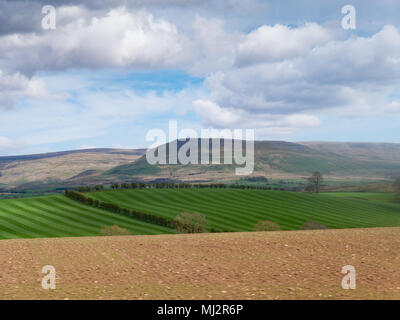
117 39
273 77
84 38
215 116
16 86
274 43
215 47
354 76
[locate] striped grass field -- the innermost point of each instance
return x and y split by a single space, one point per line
58 216
225 209
240 210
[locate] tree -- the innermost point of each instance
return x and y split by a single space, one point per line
266 225
316 181
396 186
191 223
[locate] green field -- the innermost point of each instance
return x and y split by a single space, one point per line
225 209
239 210
371 196
58 216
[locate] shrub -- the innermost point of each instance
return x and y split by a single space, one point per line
312 225
191 223
114 231
266 225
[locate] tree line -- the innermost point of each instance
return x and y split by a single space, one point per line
176 224
135 185
161 221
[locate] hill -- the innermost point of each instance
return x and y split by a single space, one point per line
262 265
276 160
58 216
58 169
341 163
240 210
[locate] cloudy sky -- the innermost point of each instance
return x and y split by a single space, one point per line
112 70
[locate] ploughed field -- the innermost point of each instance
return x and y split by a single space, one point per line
240 210
225 209
248 265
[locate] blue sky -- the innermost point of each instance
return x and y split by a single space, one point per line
113 70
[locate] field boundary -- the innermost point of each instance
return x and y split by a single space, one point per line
111 207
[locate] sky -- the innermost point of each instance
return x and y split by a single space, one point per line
111 71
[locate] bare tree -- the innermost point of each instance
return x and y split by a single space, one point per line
316 181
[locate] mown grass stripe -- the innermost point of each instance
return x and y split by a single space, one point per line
58 216
241 209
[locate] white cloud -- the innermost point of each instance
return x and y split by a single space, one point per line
215 48
116 39
214 115
91 112
15 86
288 80
275 78
274 43
265 124
300 121
8 146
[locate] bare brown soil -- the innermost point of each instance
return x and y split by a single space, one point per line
263 265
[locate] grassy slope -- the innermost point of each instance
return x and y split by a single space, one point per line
58 216
387 197
350 162
370 161
239 210
226 209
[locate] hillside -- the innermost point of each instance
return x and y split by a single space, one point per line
279 160
61 168
240 210
58 216
358 150
262 265
340 163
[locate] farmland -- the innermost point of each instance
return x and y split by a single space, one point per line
240 210
241 265
225 210
232 265
58 216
